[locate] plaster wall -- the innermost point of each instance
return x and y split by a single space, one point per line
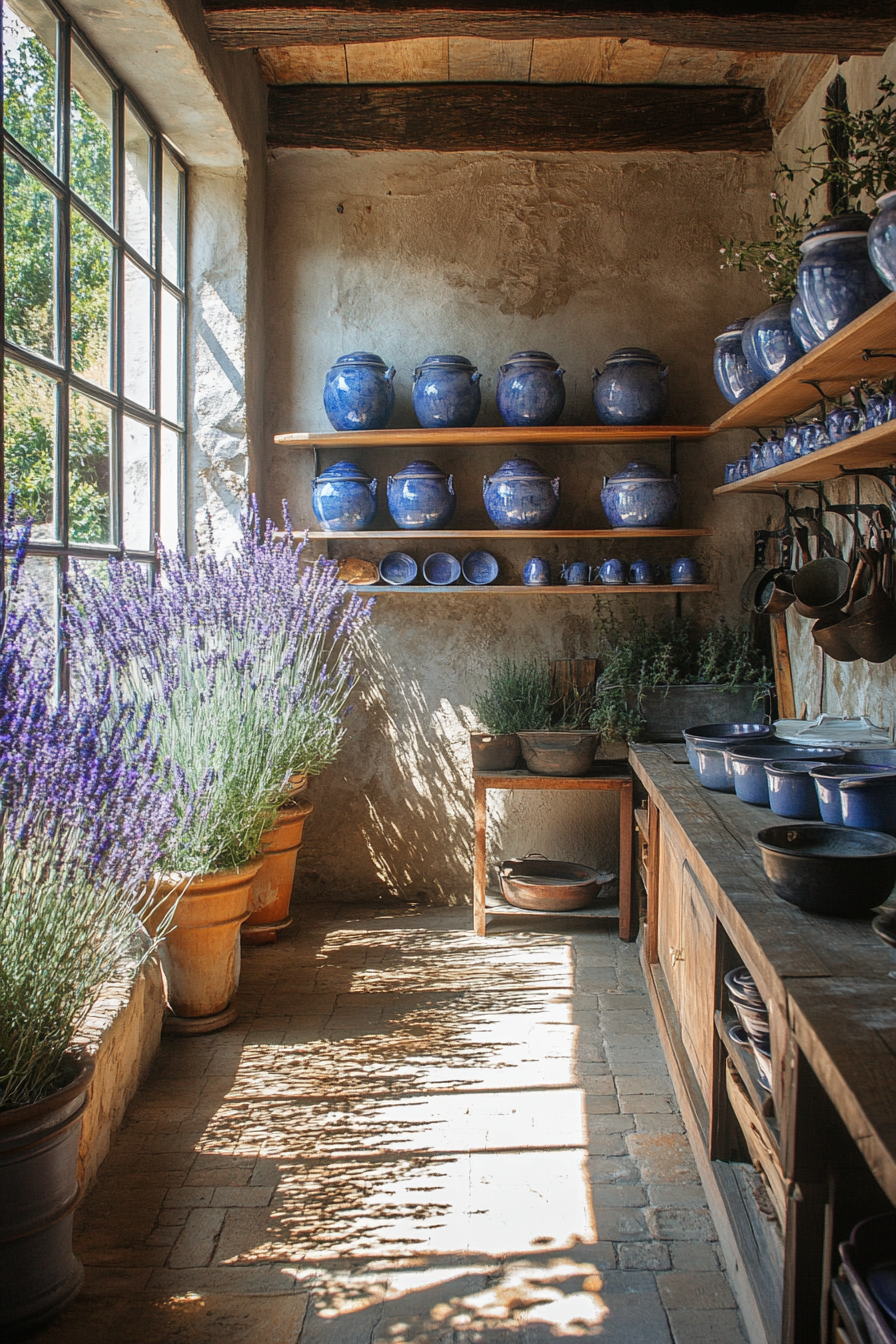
410 254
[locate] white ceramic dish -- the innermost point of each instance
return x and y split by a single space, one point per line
830 731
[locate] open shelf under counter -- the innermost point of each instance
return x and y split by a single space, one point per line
494 435
534 590
837 364
873 448
501 534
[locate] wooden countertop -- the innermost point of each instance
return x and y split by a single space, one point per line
832 975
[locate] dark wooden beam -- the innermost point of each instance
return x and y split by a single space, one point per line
620 117
822 26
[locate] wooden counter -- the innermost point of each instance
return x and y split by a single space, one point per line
826 1139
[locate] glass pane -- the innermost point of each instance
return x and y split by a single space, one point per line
170 525
41 576
29 77
172 220
29 255
136 504
89 470
91 132
138 299
93 258
172 356
29 445
137 180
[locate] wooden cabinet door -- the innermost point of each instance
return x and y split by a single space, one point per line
668 908
695 981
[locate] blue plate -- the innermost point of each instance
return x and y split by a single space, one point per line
479 567
398 568
440 569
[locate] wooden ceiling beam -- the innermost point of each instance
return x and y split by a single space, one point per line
862 27
524 117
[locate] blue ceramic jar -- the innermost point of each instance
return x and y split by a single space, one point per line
641 571
536 572
632 390
876 410
613 572
836 279
530 389
769 342
843 422
577 572
790 441
521 494
734 376
359 392
446 392
812 436
685 570
802 327
640 496
882 239
421 496
344 498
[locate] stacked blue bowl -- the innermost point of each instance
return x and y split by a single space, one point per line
853 794
747 766
752 1013
707 743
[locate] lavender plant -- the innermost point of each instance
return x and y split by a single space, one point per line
248 662
84 813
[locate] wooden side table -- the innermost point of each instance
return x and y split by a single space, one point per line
619 780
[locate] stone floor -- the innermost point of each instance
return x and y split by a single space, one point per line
411 1135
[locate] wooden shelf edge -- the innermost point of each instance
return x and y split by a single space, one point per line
745 1066
484 435
499 534
570 589
872 448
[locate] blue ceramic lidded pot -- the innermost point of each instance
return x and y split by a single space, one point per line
530 389
640 496
344 498
632 390
421 496
613 572
802 327
836 279
812 436
769 342
521 494
790 440
446 392
734 376
843 422
359 392
536 572
641 571
882 239
875 410
685 570
577 572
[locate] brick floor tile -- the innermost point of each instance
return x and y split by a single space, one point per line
641 1103
625 1280
697 1256
683 1291
198 1238
664 1158
678 1195
618 1196
242 1197
706 1327
681 1224
621 1225
614 1169
653 1255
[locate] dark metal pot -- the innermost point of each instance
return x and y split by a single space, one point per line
559 753
543 884
821 587
494 751
828 870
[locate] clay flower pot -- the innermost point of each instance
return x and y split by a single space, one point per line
39 1193
201 953
272 885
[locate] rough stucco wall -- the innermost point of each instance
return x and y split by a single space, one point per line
485 254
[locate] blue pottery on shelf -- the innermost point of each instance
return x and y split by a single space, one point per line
521 494
446 392
685 570
641 571
640 496
836 279
479 567
882 239
359 392
755 458
632 390
805 333
870 803
421 496
613 572
747 766
398 568
536 572
441 569
876 410
827 785
344 498
769 342
530 389
791 789
843 422
734 376
576 573
812 436
790 441
711 767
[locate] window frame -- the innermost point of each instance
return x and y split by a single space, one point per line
60 370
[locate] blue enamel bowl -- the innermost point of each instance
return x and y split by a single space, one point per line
723 735
828 779
870 803
872 756
479 567
711 768
791 789
747 766
397 568
441 569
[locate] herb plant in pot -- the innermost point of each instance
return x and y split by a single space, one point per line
553 735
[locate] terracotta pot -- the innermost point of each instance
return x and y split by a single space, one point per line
298 787
39 1192
272 885
201 954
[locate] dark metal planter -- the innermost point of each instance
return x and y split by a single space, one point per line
494 751
670 709
39 1191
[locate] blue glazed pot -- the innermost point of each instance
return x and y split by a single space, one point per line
872 756
441 569
521 494
747 766
755 458
843 422
577 573
790 442
882 239
359 392
632 390
734 376
720 736
479 567
791 789
446 392
827 785
398 568
613 572
344 498
875 410
803 330
641 571
711 769
536 573
421 496
640 496
769 342
685 570
812 436
836 279
530 389
870 803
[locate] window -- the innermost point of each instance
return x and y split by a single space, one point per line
94 313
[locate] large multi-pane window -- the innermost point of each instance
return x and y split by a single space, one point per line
94 313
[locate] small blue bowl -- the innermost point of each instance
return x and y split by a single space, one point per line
398 568
791 790
711 768
747 766
441 569
479 567
828 779
870 803
724 735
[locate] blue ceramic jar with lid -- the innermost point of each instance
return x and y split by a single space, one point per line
421 496
359 392
882 239
640 496
521 494
530 389
632 390
344 498
769 341
734 376
446 392
836 280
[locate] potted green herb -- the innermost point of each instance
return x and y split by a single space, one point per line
553 732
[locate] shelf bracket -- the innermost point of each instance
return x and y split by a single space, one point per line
878 354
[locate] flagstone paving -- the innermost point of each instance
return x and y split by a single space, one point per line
409 1136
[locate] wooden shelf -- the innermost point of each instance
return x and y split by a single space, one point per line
571 589
497 435
495 904
742 1058
498 534
874 448
837 364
